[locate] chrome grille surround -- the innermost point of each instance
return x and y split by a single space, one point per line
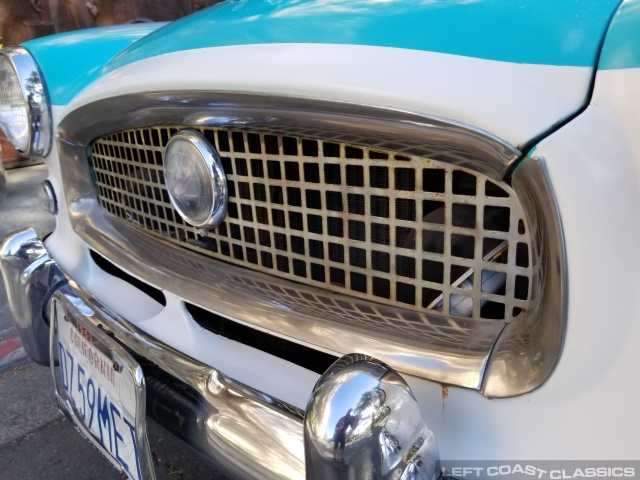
402 230
498 358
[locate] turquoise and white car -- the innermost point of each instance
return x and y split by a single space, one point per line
340 239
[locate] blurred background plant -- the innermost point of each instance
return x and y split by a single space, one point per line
23 20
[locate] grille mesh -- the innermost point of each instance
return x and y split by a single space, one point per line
397 229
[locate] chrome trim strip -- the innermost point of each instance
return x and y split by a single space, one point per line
527 351
330 120
36 98
29 275
454 351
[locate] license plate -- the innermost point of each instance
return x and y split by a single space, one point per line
101 388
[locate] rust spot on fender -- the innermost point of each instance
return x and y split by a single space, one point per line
445 395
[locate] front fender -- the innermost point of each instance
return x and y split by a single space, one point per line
71 61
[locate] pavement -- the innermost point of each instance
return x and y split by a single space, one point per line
36 441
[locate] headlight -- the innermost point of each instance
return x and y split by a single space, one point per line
195 179
25 117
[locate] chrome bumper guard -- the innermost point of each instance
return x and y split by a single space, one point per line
30 277
362 420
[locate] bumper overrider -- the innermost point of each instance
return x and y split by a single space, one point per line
247 433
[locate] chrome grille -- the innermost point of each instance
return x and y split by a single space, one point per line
397 229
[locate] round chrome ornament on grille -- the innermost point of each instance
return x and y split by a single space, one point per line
195 179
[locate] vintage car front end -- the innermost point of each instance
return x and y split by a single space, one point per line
292 232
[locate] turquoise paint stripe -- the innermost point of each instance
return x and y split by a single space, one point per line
549 32
70 61
621 47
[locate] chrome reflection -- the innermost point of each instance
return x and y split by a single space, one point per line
526 354
29 274
363 422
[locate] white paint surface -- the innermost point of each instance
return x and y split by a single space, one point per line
588 409
515 102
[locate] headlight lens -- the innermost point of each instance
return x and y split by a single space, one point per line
25 117
14 118
195 179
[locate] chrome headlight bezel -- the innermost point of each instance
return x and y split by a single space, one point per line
36 100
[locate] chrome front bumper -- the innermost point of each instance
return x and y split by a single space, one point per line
246 433
31 277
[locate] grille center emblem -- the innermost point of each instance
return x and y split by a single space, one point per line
195 179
